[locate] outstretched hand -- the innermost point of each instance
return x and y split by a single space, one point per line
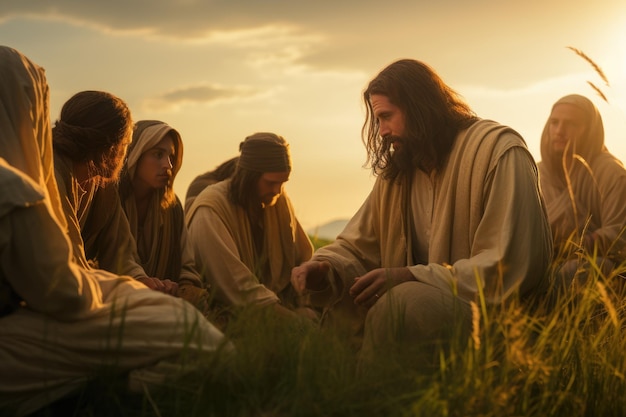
368 288
311 275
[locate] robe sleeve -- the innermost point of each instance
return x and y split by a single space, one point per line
219 261
188 270
512 245
355 251
611 236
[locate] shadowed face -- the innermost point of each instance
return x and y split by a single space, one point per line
390 119
270 187
154 168
565 125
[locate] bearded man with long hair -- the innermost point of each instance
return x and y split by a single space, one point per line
455 212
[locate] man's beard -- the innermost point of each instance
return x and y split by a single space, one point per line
111 174
269 200
402 157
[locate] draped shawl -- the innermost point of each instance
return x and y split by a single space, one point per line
285 245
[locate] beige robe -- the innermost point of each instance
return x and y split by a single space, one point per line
485 229
596 202
65 322
220 234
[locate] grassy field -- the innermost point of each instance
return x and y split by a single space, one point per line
566 357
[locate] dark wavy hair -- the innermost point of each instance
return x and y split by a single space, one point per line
243 185
94 127
434 114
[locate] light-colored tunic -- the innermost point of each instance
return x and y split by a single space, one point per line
220 234
477 225
60 322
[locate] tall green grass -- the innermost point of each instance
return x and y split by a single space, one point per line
566 356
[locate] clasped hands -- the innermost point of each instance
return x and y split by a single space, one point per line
366 289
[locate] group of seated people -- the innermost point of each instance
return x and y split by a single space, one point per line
95 239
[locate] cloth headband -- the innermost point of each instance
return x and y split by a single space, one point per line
265 152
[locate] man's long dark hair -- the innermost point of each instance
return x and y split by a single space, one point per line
93 128
434 114
243 190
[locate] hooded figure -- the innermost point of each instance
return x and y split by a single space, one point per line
154 212
584 186
60 322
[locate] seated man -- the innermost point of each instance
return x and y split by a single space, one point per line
59 322
90 141
244 232
584 188
455 212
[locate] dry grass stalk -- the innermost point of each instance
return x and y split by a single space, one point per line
596 68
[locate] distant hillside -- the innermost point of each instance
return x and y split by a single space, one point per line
328 230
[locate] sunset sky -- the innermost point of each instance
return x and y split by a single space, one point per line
218 71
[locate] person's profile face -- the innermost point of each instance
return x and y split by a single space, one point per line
566 125
270 187
154 167
390 120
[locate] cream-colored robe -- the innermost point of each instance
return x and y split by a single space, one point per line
488 227
596 202
65 322
220 234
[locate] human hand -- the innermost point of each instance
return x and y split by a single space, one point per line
311 275
368 288
162 285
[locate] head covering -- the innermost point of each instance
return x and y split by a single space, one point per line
588 195
146 135
588 145
265 152
26 139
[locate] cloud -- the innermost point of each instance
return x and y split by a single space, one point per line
175 19
479 40
200 95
